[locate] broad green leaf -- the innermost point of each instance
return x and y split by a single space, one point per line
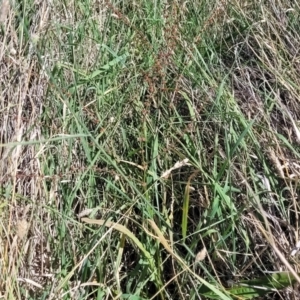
248 289
185 210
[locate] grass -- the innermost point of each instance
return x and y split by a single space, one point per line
149 150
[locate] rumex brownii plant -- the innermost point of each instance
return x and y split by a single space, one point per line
149 150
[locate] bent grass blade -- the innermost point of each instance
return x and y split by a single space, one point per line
125 231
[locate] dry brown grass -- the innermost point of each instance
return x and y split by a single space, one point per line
24 249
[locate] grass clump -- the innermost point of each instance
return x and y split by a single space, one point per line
149 150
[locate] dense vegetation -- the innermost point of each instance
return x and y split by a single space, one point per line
149 149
